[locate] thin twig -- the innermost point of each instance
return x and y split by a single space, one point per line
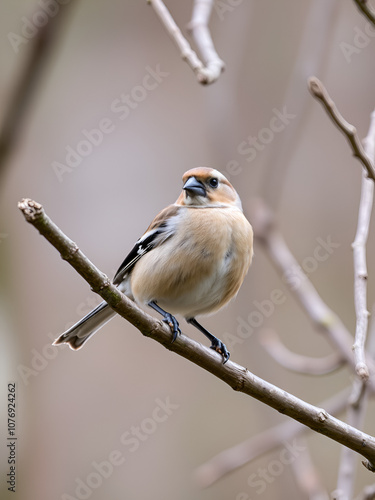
296 362
360 276
318 90
237 456
204 74
359 257
236 376
198 27
356 412
187 53
366 9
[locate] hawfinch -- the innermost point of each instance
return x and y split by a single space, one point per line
191 260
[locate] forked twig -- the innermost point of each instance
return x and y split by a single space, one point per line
318 90
210 72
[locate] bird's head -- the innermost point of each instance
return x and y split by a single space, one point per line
208 187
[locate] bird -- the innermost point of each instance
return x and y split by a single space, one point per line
191 260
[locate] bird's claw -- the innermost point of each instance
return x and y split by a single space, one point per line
218 346
173 325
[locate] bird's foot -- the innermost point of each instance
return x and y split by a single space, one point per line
167 318
173 325
218 346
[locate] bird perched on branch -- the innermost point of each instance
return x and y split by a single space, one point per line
191 260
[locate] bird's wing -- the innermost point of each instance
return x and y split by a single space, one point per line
160 229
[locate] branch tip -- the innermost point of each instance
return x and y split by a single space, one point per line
320 92
31 209
315 86
362 371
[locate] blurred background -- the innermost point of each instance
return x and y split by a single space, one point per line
88 422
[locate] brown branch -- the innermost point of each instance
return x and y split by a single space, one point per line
236 376
366 9
318 90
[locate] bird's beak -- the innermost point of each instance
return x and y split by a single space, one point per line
194 187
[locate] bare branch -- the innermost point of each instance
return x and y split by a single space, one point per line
360 276
359 256
323 317
318 90
359 398
236 376
296 362
198 27
204 74
237 456
366 9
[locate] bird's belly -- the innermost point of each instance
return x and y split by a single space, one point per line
197 270
199 286
203 298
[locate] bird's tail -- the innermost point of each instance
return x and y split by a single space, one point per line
79 333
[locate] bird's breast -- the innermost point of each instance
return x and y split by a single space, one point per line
200 267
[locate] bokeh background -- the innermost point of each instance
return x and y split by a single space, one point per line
74 407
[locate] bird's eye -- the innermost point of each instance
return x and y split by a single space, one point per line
214 182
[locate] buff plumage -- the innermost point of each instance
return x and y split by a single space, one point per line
191 260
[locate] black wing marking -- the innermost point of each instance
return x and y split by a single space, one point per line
160 229
142 246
